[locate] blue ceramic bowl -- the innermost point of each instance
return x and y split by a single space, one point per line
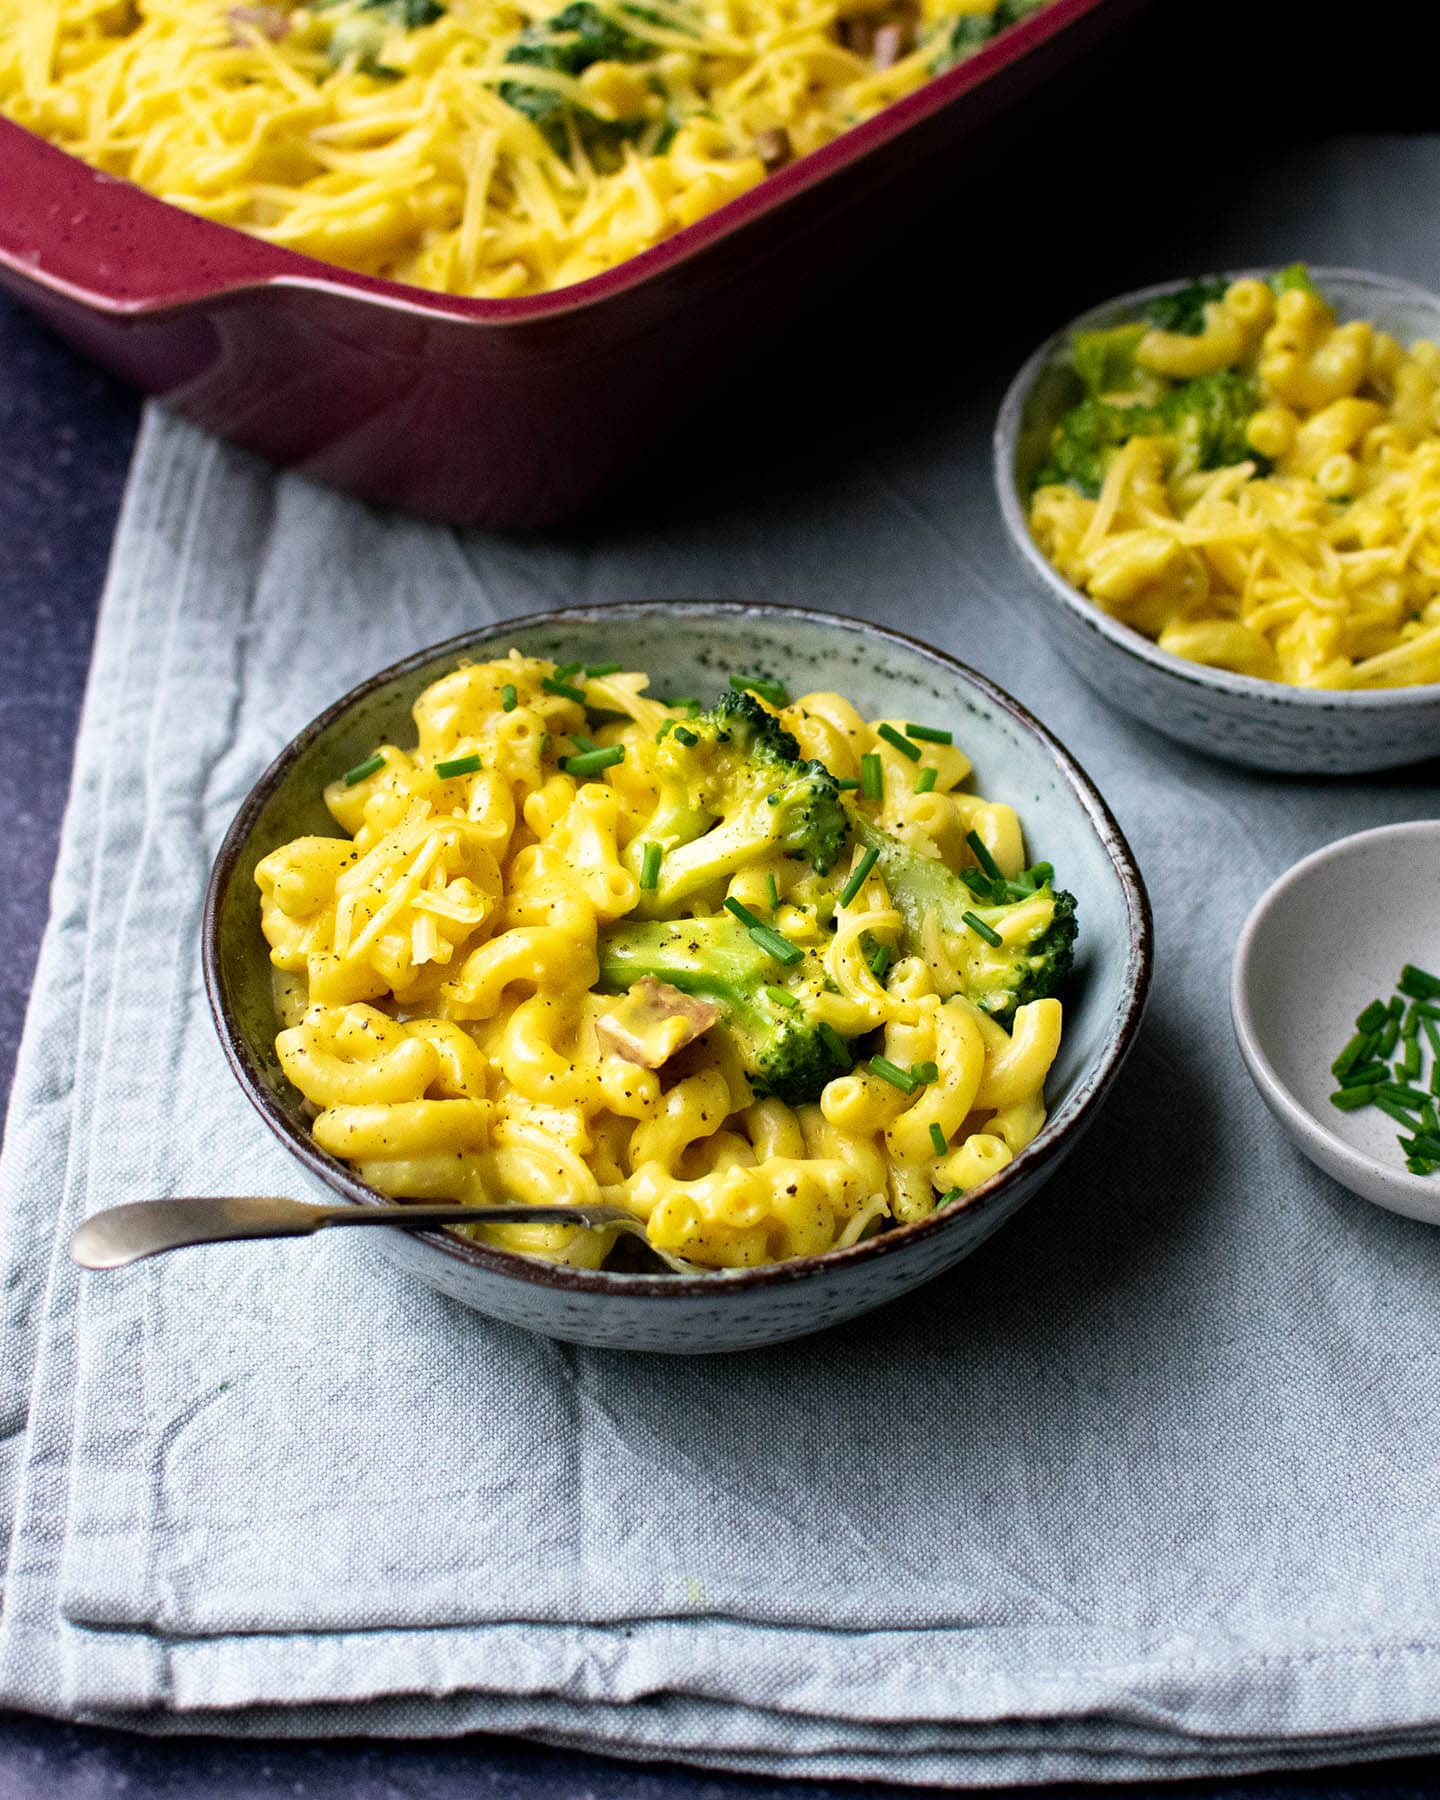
688 647
1258 724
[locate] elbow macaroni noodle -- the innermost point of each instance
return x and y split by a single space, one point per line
414 140
436 974
1316 563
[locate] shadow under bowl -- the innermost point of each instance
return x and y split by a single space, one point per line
1328 938
1238 718
689 647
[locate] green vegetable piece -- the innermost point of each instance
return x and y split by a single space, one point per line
925 1072
1184 309
981 853
896 742
928 734
1359 1045
846 784
937 1139
1105 360
372 765
509 699
859 876
981 929
781 997
593 762
1351 1099
650 867
925 781
1373 1017
1292 276
835 1044
767 940
880 962
1419 984
872 777
597 671
1392 1108
457 765
1389 1038
1365 1072
552 684
893 1073
683 735
773 892
763 685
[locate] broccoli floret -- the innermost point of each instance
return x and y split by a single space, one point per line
1295 275
1184 310
972 30
569 43
1207 417
784 1049
1035 920
734 789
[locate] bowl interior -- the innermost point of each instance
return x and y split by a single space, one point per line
1329 938
691 648
1052 386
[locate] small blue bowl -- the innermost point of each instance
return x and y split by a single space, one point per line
688 647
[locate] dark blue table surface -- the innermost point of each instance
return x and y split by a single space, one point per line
66 432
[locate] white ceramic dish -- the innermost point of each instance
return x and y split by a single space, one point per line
1258 724
1329 937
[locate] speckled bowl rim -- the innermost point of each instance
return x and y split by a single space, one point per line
1049 1146
1125 638
1299 1120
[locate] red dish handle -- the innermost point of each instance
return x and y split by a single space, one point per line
75 231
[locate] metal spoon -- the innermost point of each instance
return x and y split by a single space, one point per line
125 1234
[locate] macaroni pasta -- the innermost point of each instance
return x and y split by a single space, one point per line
705 965
1258 491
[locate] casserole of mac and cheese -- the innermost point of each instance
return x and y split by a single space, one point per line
763 972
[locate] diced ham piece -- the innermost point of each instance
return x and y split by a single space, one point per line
890 46
653 1021
773 147
269 21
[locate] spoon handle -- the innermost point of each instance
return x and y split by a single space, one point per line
124 1234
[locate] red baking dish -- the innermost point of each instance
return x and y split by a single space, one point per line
494 412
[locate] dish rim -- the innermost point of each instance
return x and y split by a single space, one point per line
274 267
1126 638
1052 1142
1274 1090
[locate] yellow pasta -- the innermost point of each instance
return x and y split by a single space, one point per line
579 944
1256 488
481 147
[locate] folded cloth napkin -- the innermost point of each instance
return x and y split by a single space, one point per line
1147 1487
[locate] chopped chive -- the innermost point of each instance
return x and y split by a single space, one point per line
1406 1096
763 685
893 1073
1409 1064
509 699
581 742
1397 1007
1435 1076
563 671
872 777
1389 1037
650 867
1392 1108
371 766
1425 1143
686 737
893 738
835 1044
457 765
859 875
773 892
925 781
667 726
1365 1073
552 684
1373 1017
762 936
880 961
1419 984
945 1199
982 855
1418 1165
1358 1046
594 671
1419 1010
937 1138
1432 1032
1430 1118
591 762
845 783
927 734
1351 1099
781 996
925 1072
981 929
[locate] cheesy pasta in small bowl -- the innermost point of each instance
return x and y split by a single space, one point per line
625 907
1229 493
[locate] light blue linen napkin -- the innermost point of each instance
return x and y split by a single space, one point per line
1147 1487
